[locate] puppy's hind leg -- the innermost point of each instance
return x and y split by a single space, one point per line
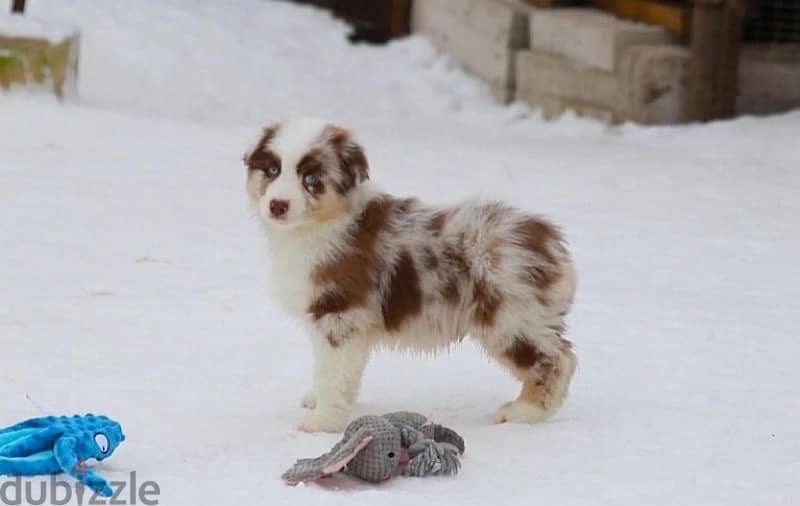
545 370
339 366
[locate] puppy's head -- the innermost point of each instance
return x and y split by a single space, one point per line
303 172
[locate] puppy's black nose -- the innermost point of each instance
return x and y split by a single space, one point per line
278 208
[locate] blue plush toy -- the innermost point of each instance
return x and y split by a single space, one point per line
57 444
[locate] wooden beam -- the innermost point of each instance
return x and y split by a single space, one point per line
671 16
548 3
713 74
400 18
18 6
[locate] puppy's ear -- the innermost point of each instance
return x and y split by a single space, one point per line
351 155
257 150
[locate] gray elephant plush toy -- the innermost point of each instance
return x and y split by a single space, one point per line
375 448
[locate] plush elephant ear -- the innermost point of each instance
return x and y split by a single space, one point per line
348 451
332 462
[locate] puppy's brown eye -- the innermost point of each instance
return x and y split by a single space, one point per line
274 171
310 179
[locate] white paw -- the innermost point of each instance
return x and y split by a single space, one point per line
323 422
521 412
309 400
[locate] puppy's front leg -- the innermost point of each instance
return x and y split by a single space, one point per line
339 365
309 399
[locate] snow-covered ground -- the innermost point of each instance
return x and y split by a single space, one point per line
133 280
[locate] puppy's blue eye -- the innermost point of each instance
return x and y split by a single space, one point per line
310 179
273 171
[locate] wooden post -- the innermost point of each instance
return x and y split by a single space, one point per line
18 6
715 43
400 18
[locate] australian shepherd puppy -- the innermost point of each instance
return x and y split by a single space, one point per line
365 269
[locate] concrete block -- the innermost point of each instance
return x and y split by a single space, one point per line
649 87
552 107
654 79
481 35
34 53
769 79
588 36
556 84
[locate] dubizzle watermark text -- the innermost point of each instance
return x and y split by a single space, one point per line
57 491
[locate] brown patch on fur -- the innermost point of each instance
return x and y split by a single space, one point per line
450 291
351 274
538 237
437 222
457 268
525 355
404 298
535 392
455 260
352 160
260 154
539 372
258 162
429 259
404 205
263 160
328 302
487 303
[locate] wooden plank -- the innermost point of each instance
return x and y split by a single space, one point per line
715 44
548 3
36 61
769 78
705 55
18 6
673 17
590 36
400 18
481 35
728 88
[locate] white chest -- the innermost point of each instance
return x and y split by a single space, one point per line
291 283
292 261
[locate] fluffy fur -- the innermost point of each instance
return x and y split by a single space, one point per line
365 269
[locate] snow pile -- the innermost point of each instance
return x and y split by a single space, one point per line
255 60
133 281
27 27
